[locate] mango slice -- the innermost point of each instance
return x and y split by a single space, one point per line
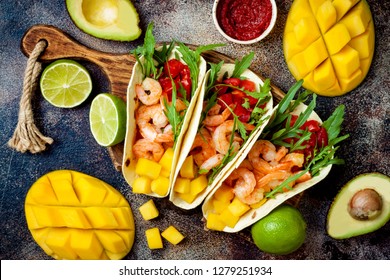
329 44
72 215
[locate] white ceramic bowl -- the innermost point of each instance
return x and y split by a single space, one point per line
246 42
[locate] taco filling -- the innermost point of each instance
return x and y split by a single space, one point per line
291 154
233 108
163 92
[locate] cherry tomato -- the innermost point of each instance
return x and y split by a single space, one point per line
220 89
311 126
185 79
322 137
248 85
232 81
173 68
225 99
242 113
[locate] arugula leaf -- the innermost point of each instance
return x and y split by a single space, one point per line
333 123
175 118
161 56
214 70
241 66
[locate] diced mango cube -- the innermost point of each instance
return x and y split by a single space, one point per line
352 80
167 159
346 62
214 222
237 207
228 218
189 168
172 235
357 20
101 217
324 76
165 173
86 245
72 217
290 45
112 241
224 193
343 6
160 186
316 4
187 197
149 168
326 16
65 193
306 31
182 185
219 205
198 185
315 54
153 237
336 38
58 240
364 44
298 66
149 210
142 185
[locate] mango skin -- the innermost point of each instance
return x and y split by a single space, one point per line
73 216
329 44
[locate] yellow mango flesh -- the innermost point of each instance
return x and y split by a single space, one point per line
172 235
79 217
153 238
149 210
167 159
329 44
148 168
188 169
160 186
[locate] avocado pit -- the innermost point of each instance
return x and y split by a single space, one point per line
101 13
365 204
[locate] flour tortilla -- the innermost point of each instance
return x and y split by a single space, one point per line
192 131
254 215
129 160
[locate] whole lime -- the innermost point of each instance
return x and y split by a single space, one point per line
281 232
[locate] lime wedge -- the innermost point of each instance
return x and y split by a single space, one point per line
65 83
107 119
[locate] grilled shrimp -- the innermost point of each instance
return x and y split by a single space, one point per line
221 137
202 142
213 117
147 114
245 184
145 148
212 162
149 92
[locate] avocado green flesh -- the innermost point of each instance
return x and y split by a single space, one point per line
341 224
107 19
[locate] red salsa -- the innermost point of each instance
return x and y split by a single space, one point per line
244 19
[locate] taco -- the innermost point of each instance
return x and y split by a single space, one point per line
161 97
295 151
233 107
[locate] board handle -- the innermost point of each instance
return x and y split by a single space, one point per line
117 67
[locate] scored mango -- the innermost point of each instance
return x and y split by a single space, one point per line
79 217
329 44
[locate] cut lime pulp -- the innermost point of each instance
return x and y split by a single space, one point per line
107 118
65 83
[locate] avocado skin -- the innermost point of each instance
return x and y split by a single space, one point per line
127 28
340 224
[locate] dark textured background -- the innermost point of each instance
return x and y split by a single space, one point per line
367 121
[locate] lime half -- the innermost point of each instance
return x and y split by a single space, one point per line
107 119
65 83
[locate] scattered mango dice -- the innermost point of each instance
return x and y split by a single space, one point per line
148 168
329 44
172 235
160 186
153 237
149 210
79 217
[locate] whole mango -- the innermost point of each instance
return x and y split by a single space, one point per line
72 216
329 44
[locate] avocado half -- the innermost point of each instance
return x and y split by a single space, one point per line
369 190
116 20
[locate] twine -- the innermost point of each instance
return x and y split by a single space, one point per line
27 136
